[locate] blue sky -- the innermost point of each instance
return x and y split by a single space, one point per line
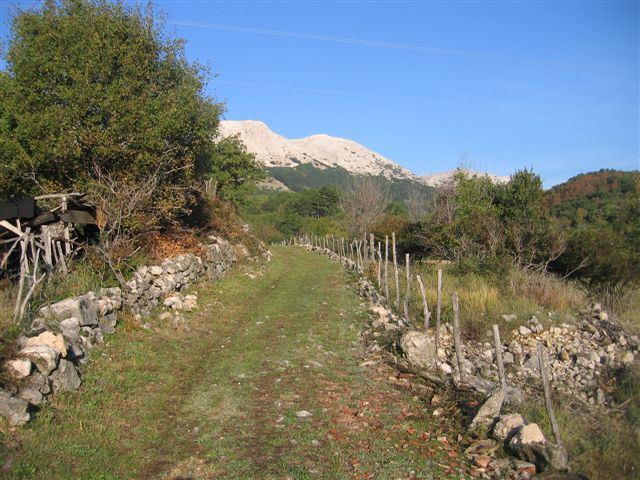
548 85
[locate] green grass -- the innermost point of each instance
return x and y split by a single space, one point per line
218 400
602 444
484 299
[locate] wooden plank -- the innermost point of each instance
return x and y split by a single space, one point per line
10 227
78 216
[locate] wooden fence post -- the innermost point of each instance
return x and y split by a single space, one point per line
24 242
407 293
438 308
395 269
456 336
386 268
379 266
365 251
501 375
425 307
547 396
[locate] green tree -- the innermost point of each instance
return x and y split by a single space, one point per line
96 97
531 237
233 169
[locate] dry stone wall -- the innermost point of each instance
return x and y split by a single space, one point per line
63 333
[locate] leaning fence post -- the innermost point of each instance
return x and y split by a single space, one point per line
501 375
456 335
395 269
24 240
425 307
547 396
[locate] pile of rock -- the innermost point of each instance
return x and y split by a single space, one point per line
525 441
580 356
63 334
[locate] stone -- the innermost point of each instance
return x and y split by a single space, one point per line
507 426
70 328
627 358
507 358
603 316
419 348
84 308
43 357
524 331
489 409
65 377
31 395
303 414
483 447
38 326
482 461
530 445
525 467
19 368
107 323
446 368
75 352
558 458
482 385
14 409
49 339
510 318
564 356
155 270
39 382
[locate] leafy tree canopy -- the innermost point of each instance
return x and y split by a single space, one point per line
95 90
233 169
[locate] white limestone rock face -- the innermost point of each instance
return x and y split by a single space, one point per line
321 151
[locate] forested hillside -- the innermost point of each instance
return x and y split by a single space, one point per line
308 176
594 197
600 216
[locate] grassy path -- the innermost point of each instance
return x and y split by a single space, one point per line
221 399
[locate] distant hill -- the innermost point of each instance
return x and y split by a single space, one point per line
437 179
593 197
309 176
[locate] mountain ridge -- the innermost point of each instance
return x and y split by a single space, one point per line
325 152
